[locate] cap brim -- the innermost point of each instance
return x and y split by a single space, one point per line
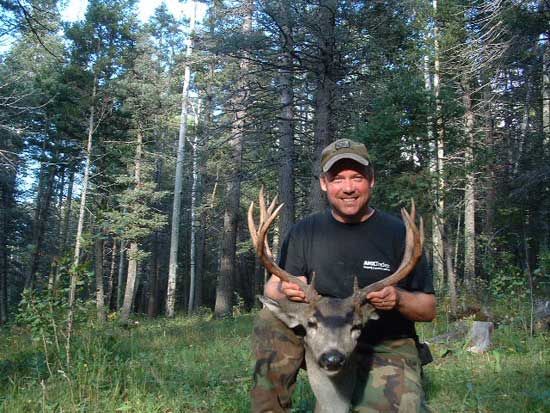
341 156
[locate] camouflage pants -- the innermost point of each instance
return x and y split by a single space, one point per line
388 378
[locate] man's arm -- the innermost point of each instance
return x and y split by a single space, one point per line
416 306
277 289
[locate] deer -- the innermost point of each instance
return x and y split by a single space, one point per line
332 325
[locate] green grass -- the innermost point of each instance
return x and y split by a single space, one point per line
202 365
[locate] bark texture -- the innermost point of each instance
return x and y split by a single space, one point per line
225 283
323 132
178 184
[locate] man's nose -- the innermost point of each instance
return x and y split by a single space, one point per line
349 186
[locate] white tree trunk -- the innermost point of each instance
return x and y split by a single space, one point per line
178 184
130 283
80 227
469 194
133 253
439 153
195 221
437 257
111 279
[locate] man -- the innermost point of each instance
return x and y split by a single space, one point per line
352 239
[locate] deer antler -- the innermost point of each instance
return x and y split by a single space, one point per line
259 239
414 240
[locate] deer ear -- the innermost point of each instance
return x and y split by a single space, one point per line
288 317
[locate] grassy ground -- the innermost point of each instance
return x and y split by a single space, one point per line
202 365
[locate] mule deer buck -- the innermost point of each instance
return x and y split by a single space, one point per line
329 346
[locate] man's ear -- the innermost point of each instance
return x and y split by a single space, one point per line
288 317
323 182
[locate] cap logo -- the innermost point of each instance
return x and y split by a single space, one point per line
342 144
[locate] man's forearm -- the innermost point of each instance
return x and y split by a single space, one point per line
416 306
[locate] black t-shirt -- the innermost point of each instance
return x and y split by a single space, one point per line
339 252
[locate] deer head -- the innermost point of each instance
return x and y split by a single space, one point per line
332 325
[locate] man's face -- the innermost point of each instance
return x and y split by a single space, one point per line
348 191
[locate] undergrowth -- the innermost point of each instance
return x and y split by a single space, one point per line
197 364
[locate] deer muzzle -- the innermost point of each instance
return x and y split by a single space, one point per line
332 360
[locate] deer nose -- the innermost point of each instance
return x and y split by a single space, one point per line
332 360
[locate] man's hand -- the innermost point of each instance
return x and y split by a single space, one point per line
385 299
293 291
277 289
416 306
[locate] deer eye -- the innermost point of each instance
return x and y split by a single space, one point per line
312 323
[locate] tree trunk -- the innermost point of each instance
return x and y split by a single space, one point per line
259 277
438 221
152 305
491 193
437 249
130 283
225 283
80 227
545 209
154 276
41 215
7 190
451 275
195 221
200 255
546 94
100 295
111 279
178 185
120 278
521 140
469 195
67 214
286 125
324 94
133 255
65 209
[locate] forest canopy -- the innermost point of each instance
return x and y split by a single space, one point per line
130 151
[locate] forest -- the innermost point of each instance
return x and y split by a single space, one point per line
131 150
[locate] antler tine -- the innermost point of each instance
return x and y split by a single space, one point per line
269 213
259 238
264 213
263 229
272 205
251 225
414 240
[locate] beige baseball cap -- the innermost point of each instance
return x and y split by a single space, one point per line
343 149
